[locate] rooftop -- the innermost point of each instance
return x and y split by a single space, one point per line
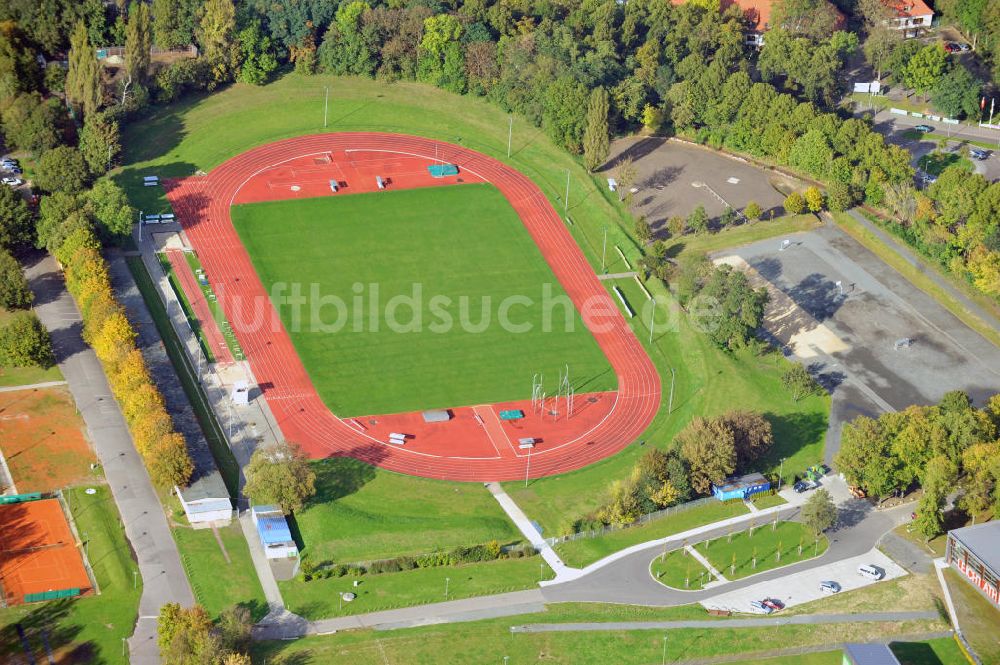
743 481
909 8
273 529
982 539
758 12
871 654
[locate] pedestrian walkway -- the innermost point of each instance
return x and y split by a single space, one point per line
618 275
563 572
275 603
729 624
719 577
750 506
32 386
143 518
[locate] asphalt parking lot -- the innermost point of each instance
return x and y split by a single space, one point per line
919 146
674 178
847 334
803 587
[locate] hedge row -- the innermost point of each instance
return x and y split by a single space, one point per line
108 331
490 551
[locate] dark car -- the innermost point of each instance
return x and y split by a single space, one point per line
979 153
926 129
952 47
773 603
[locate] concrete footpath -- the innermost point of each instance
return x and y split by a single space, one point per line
563 572
163 577
709 624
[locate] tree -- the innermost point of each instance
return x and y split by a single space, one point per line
697 221
925 69
799 382
881 38
83 79
112 210
595 137
956 94
642 230
929 521
14 291
739 307
709 449
819 513
281 475
866 457
812 18
185 636
752 435
839 196
257 55
215 33
812 153
169 463
62 169
795 204
814 199
625 175
15 219
138 42
235 628
676 225
752 211
24 342
30 123
99 142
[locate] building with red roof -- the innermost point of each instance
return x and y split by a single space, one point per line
758 14
910 16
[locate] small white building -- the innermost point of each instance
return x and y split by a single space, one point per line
272 529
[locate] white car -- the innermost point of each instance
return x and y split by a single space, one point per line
870 571
13 182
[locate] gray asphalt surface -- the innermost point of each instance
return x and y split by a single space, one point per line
163 576
877 308
804 619
668 172
629 581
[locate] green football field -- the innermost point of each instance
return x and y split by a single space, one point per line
417 299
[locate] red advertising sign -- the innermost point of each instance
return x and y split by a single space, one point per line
991 591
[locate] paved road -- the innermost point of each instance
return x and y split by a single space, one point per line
804 619
145 524
629 580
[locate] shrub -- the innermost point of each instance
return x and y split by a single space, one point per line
795 204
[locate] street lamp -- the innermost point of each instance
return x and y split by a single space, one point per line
781 468
446 581
664 650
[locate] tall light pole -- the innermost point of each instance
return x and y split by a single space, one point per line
781 468
566 200
446 581
326 105
652 318
527 468
604 252
510 134
670 404
664 661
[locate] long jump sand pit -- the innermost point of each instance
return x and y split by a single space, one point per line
38 553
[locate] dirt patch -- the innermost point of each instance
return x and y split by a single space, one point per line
42 438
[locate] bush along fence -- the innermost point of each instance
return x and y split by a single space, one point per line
108 331
643 519
491 551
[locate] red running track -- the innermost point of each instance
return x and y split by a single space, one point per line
303 166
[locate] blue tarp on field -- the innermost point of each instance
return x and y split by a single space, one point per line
442 170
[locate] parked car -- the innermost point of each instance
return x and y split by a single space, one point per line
13 182
928 179
804 486
979 153
870 571
773 603
952 47
16 170
857 492
964 47
829 587
926 129
760 607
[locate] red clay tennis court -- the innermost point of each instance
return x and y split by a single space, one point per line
38 554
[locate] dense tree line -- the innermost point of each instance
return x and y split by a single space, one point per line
940 448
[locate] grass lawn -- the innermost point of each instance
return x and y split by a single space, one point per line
744 234
319 598
735 558
219 584
918 278
362 513
936 162
463 246
23 376
193 321
762 501
909 593
980 620
583 552
209 426
200 132
940 651
680 570
489 641
84 630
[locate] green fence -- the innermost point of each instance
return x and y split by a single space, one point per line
51 595
20 498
